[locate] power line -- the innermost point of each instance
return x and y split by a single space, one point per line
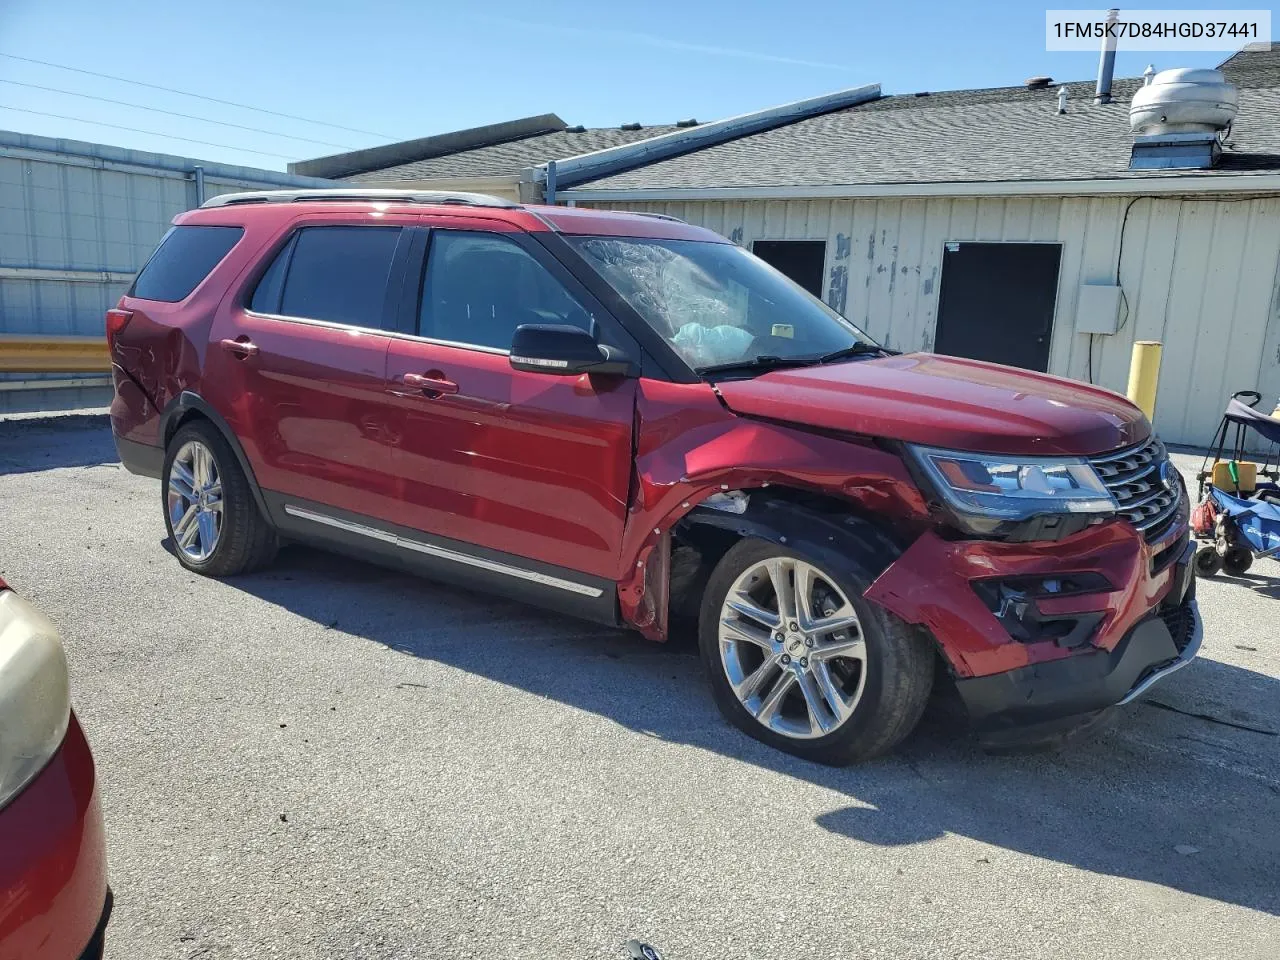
151 133
198 96
171 113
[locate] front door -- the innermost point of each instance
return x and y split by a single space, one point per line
997 302
527 464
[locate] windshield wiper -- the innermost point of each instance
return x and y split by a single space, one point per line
759 364
859 349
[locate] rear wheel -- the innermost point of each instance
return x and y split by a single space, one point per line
1237 560
1208 561
214 522
798 659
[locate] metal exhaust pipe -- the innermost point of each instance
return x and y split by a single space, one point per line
1106 62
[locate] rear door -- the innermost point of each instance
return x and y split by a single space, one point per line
529 465
298 366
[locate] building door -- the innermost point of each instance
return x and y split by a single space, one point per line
801 260
997 301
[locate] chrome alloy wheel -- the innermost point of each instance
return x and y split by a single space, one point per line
194 501
792 648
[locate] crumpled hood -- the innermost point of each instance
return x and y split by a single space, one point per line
945 402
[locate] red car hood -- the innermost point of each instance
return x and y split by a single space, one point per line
945 402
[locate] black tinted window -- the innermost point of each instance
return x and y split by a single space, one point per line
185 256
480 286
340 274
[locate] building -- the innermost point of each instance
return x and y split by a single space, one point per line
987 224
77 221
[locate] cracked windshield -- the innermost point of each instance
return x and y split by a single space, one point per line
716 304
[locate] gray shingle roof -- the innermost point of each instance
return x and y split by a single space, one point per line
511 157
999 134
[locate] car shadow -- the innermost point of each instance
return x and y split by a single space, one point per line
29 446
1183 791
1268 586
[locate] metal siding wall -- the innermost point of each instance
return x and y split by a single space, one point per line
1200 275
63 216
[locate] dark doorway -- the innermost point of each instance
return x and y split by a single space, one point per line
801 260
996 302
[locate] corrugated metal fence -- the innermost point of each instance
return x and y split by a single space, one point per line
77 221
1199 274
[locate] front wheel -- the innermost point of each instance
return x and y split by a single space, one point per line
798 659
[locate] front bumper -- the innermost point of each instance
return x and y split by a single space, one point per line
53 870
1130 620
1046 700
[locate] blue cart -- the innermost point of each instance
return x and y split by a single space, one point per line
1244 522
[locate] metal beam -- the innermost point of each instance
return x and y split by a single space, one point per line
65 276
602 163
69 383
29 354
1268 183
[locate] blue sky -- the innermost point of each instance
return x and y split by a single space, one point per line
397 69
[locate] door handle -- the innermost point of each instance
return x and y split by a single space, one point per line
429 385
244 348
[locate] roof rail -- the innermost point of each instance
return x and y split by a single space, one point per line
349 194
657 216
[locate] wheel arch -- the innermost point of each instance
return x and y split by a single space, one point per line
189 406
832 529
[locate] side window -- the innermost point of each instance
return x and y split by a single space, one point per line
331 273
266 297
480 286
186 255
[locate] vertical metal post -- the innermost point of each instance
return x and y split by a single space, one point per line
1107 62
551 182
1144 375
198 176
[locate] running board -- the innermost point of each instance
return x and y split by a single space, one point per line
444 553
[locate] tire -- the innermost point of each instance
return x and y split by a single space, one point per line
229 521
1208 561
1237 560
882 696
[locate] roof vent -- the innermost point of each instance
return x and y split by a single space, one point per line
1037 83
631 126
576 128
689 122
1177 119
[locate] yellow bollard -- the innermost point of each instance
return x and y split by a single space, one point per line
1144 372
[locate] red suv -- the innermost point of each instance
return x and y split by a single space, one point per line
567 405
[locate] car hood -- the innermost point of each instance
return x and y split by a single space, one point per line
945 402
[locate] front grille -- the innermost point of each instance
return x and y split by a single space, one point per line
1137 479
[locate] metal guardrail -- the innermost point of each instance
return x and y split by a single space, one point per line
25 354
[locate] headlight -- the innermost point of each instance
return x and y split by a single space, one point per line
35 702
991 489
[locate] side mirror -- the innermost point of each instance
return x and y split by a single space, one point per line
566 351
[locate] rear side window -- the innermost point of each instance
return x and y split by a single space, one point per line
330 273
185 256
